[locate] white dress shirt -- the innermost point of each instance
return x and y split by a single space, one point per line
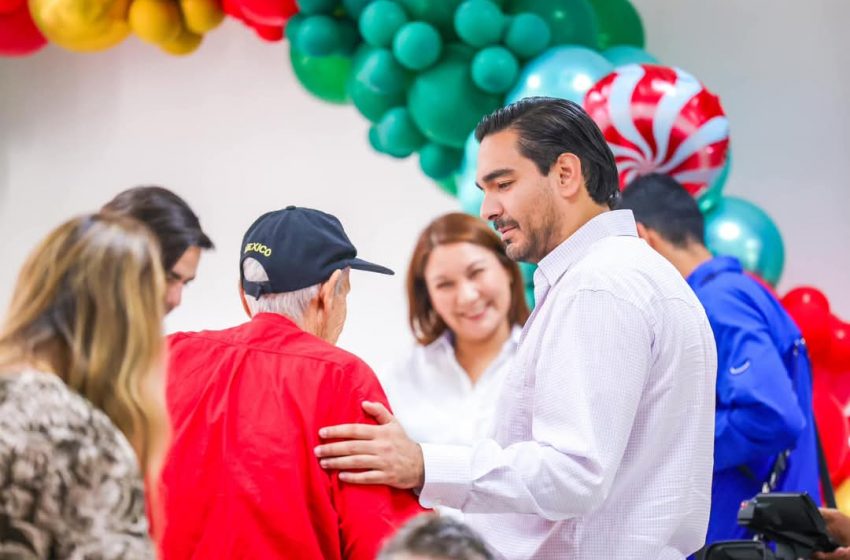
435 400
603 443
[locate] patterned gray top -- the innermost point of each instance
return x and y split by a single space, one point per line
70 485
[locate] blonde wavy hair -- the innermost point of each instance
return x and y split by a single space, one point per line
88 307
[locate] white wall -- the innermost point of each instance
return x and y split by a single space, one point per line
230 130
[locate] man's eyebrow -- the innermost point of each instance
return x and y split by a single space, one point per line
493 175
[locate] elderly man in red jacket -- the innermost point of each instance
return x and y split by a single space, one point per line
241 480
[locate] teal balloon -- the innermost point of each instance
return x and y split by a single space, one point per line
714 193
738 228
378 83
527 270
323 76
479 22
527 35
440 162
562 72
397 133
570 21
439 13
444 101
495 69
293 26
375 139
353 8
311 7
318 36
621 55
619 23
469 195
448 185
417 45
380 21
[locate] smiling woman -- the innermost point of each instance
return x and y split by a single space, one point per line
466 307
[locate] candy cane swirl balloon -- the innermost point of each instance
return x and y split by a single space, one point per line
661 120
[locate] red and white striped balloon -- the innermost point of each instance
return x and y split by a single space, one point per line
658 119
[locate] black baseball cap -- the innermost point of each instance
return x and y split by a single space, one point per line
298 248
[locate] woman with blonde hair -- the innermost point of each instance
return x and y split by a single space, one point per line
466 308
82 411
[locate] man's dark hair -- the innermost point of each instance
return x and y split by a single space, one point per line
660 203
548 127
167 215
438 538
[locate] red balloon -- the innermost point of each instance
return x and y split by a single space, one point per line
9 6
834 433
662 120
810 310
18 33
838 358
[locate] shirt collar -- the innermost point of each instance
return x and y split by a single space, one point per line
571 250
711 268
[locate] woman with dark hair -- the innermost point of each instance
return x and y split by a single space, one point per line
466 306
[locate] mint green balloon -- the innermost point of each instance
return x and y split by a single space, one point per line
417 45
318 36
380 21
397 133
439 13
570 21
619 23
495 69
479 22
323 76
378 83
527 35
621 55
714 193
444 101
738 228
439 162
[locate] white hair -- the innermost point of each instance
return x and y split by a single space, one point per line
291 304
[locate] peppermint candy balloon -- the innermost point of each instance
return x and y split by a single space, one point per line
661 120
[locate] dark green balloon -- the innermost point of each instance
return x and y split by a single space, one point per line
417 45
495 69
380 21
448 185
312 7
318 36
439 13
355 7
444 101
619 23
348 35
440 162
398 135
527 35
323 76
479 22
378 82
571 21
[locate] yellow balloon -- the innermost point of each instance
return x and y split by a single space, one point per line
201 15
842 497
185 43
155 21
82 25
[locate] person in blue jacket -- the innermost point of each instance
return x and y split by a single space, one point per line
764 426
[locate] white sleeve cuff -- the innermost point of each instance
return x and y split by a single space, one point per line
448 475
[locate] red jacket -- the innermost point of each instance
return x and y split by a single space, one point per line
241 480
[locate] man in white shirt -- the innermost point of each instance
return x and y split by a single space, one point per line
604 444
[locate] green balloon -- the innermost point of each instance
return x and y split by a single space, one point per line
312 7
380 21
444 101
378 83
397 133
348 35
318 36
293 27
417 45
323 76
375 139
448 185
479 22
619 23
439 13
570 21
495 69
527 35
440 162
355 7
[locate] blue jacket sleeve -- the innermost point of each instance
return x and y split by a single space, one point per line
758 414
